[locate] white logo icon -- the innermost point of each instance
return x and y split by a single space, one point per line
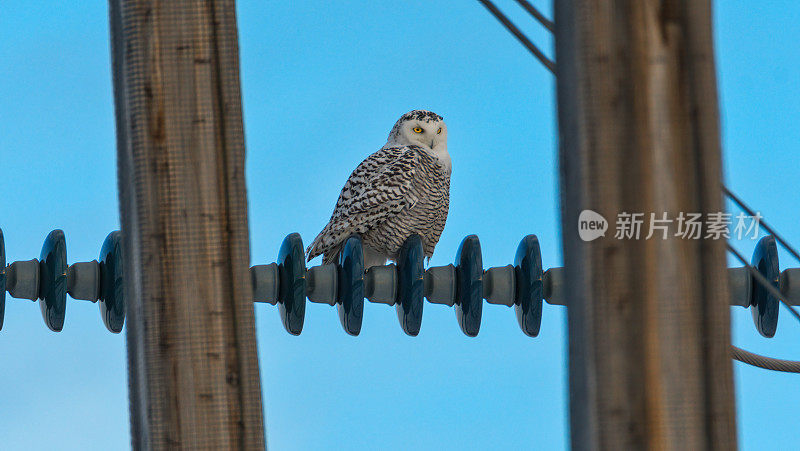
591 225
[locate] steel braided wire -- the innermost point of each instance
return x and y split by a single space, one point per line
767 363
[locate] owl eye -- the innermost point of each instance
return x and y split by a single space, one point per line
417 130
439 131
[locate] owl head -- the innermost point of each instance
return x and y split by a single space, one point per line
420 128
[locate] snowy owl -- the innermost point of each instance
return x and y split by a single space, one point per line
402 189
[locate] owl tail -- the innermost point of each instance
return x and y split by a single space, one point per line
314 248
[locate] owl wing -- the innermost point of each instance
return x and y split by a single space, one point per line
378 189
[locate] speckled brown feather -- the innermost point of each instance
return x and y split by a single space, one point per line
393 193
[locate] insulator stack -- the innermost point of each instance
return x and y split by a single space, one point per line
405 284
747 292
49 279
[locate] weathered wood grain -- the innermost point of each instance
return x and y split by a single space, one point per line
193 368
649 330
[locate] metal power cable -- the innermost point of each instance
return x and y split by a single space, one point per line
547 23
550 65
738 201
768 363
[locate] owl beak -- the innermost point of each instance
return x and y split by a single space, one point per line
432 141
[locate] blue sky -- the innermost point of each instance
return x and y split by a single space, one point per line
322 84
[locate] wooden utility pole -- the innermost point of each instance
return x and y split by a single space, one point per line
193 368
649 332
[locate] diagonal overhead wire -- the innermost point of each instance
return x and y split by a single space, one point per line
547 23
550 65
766 226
